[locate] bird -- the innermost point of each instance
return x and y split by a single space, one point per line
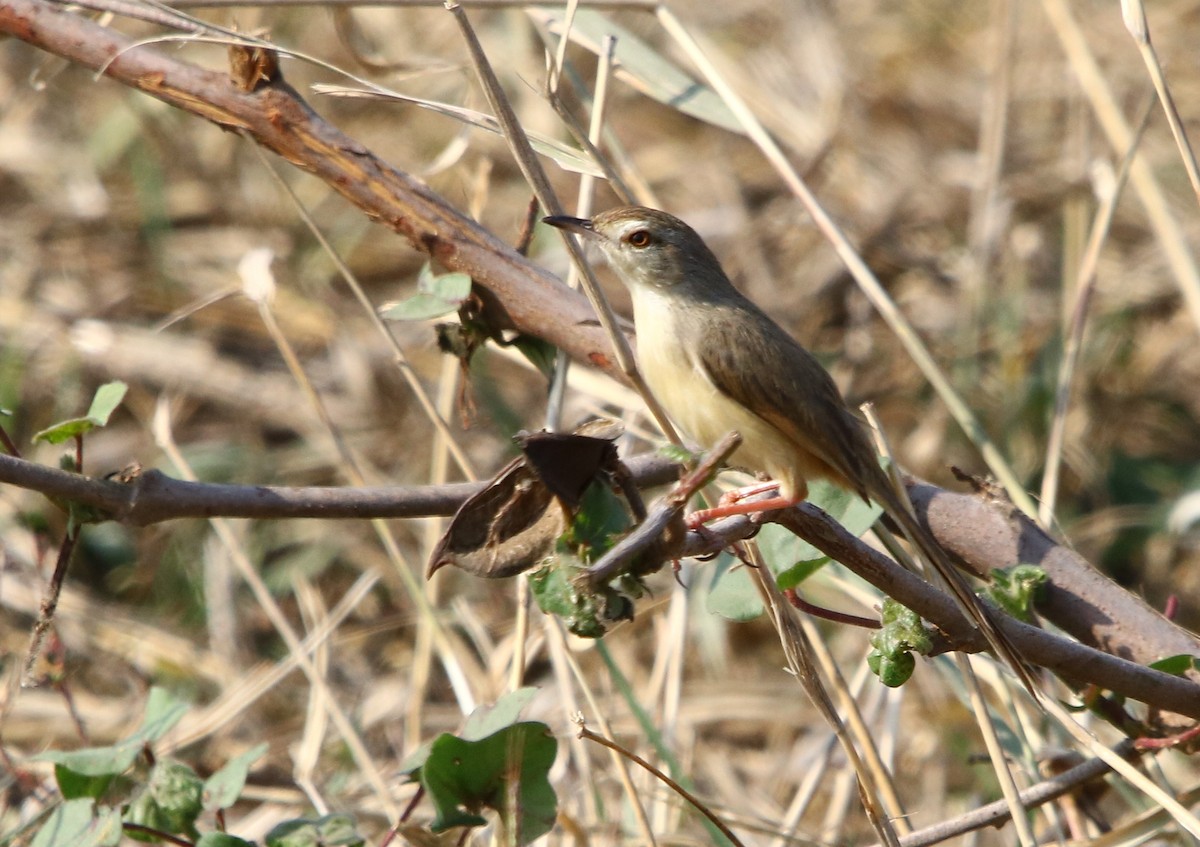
717 362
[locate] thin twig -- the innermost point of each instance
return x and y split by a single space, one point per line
142 498
994 814
691 798
50 603
664 513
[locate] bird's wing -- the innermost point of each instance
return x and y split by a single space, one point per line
786 387
790 390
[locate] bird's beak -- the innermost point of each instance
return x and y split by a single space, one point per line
579 226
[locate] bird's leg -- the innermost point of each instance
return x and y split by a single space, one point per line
731 503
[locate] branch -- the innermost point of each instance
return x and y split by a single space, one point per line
988 532
1075 663
517 293
141 498
997 813
522 296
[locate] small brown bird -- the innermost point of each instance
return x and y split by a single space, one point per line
716 362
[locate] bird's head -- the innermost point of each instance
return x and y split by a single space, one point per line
649 248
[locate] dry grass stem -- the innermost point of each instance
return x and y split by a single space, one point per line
964 256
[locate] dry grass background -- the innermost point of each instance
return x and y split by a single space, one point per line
118 212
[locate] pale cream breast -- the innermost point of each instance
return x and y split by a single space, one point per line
689 396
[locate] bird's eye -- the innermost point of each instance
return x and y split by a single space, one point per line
639 238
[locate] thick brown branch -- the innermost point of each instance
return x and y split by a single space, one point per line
1079 599
1076 663
518 293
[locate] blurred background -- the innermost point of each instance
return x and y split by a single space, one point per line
963 148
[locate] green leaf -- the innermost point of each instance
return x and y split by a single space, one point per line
540 353
790 558
163 711
506 772
902 634
486 720
586 613
480 723
178 792
222 789
72 784
1016 589
1177 665
144 812
437 295
169 802
336 830
641 66
222 839
78 823
103 762
733 594
601 520
104 402
587 610
65 430
893 671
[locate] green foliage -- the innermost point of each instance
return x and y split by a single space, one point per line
901 634
437 295
587 611
169 802
507 772
223 788
732 593
78 823
336 830
601 520
1016 589
170 798
791 559
104 403
479 724
163 711
1177 665
495 763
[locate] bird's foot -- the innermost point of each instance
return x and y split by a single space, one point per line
734 503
